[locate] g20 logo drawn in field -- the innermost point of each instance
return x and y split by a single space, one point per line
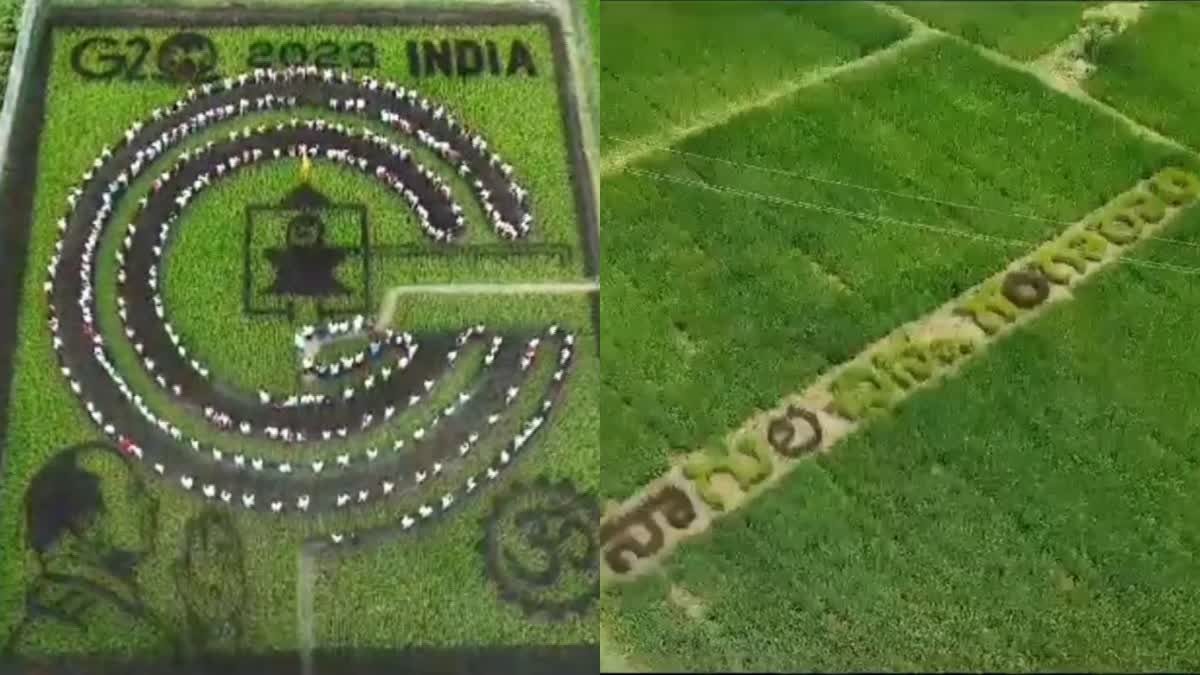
183 57
188 57
387 380
324 54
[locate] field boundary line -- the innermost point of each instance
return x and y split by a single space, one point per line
867 188
823 412
30 16
392 296
856 186
1048 80
306 577
628 153
1056 62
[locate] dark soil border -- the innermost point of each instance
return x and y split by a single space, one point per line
539 660
17 197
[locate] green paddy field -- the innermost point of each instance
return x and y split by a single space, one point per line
1033 512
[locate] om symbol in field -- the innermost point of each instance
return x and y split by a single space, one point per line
541 549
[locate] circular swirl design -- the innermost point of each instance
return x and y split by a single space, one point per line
393 373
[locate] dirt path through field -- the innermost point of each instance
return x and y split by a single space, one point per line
387 309
1067 63
1051 80
633 150
22 54
306 581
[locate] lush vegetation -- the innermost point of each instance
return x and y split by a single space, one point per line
438 591
261 351
1144 71
721 302
593 18
665 65
10 23
1024 29
1030 514
521 119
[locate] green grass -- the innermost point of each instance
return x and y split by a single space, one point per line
665 64
729 303
1024 30
1033 513
1144 74
593 20
611 659
10 23
427 582
248 351
522 120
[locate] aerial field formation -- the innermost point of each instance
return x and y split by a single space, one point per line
300 341
900 368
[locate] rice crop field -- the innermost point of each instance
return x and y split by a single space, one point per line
10 19
1025 508
844 280
1024 29
1031 514
1142 72
696 60
219 440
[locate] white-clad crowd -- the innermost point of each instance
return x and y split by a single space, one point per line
202 167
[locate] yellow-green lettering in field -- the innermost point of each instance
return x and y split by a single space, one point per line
747 462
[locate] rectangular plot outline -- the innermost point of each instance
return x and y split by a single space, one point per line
19 187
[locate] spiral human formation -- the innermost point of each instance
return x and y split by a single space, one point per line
395 372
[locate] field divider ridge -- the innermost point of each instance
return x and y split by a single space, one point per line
1047 79
614 161
854 186
703 487
31 14
306 581
392 297
911 224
